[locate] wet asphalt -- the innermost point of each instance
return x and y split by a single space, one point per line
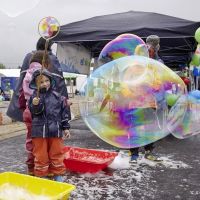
140 182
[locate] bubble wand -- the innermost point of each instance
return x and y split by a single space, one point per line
48 28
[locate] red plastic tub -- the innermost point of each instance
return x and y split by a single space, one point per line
87 160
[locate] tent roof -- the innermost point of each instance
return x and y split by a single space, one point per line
177 35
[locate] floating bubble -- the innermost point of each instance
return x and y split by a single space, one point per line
16 8
48 27
124 101
141 50
183 119
123 45
195 94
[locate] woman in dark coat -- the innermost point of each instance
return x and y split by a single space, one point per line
13 110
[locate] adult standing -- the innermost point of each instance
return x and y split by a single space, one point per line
13 110
20 112
153 44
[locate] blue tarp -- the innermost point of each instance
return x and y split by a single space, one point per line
8 83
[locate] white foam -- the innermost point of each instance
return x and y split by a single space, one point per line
10 192
121 161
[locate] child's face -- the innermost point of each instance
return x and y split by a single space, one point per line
151 52
44 82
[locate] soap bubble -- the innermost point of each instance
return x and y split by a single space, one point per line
48 27
123 45
195 94
141 50
183 119
124 101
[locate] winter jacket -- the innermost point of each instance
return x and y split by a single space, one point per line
50 116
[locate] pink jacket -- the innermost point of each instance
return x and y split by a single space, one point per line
27 79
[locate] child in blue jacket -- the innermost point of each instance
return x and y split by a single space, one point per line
49 124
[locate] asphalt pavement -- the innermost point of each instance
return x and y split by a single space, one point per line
177 178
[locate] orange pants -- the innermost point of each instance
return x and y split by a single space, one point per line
29 146
49 156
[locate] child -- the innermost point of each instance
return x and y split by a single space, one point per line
49 124
35 64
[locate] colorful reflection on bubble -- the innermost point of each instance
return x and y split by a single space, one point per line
123 45
183 119
48 27
141 50
124 101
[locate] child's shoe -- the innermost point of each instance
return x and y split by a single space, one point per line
58 178
150 156
46 177
134 158
30 173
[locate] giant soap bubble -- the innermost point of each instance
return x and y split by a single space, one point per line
123 45
124 102
183 119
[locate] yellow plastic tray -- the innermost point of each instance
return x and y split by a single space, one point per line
38 186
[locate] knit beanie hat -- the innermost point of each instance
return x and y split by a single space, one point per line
153 41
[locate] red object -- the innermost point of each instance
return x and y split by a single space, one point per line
186 80
22 100
87 160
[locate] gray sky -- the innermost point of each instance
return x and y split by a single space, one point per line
19 18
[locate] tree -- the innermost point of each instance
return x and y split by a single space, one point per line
2 66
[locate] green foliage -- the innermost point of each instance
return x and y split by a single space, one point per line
2 66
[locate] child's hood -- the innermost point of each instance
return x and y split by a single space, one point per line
44 72
34 66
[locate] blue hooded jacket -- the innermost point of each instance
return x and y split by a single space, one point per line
50 116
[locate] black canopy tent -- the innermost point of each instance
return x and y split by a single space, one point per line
177 35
